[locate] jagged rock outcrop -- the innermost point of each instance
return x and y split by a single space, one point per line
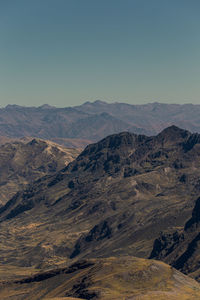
182 249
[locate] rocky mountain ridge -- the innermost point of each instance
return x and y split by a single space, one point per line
113 199
24 161
181 248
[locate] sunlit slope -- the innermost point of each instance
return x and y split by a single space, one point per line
23 162
108 278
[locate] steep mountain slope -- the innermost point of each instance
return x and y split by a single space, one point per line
110 279
92 121
182 248
23 162
114 199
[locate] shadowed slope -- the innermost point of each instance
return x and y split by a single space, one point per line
182 248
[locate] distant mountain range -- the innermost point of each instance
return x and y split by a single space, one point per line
80 125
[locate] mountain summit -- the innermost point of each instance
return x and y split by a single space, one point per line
114 199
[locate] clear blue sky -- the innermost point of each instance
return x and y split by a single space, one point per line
66 52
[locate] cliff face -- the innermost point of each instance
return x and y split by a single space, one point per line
182 249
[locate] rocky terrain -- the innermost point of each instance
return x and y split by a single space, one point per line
115 198
109 278
24 161
90 122
181 248
126 195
